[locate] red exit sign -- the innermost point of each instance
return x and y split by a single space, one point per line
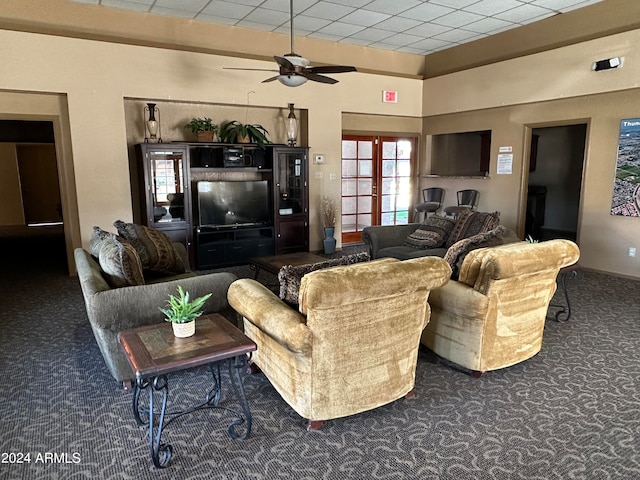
389 96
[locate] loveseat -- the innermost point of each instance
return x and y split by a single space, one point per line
113 306
433 237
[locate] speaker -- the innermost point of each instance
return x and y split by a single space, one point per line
258 158
206 157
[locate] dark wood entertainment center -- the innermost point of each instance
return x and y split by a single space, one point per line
167 175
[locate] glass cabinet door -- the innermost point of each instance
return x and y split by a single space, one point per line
291 184
166 170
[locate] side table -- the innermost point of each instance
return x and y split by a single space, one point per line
153 352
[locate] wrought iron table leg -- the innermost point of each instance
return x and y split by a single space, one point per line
237 365
160 453
564 311
256 269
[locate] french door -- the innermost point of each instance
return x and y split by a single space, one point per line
376 182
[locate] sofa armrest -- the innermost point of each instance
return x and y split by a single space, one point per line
260 306
182 251
119 309
383 236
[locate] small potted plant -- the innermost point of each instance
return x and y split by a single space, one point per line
203 128
182 312
329 222
236 132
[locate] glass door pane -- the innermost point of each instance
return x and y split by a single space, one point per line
396 181
290 182
168 181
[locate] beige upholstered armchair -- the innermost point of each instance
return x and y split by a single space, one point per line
494 315
353 344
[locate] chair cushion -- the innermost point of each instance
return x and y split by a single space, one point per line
290 276
472 223
458 251
432 233
120 263
154 248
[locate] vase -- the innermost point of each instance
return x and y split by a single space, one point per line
184 330
205 136
329 241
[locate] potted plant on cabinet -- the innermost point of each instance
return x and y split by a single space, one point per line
182 312
203 128
236 132
329 222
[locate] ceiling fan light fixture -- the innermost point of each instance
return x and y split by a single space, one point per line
292 80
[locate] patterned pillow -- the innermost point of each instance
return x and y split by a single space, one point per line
472 223
432 233
97 238
154 248
290 276
458 251
120 263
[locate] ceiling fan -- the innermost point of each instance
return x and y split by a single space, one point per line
294 70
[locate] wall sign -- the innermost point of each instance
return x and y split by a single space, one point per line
389 96
625 200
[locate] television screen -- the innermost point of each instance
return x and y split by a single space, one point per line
228 203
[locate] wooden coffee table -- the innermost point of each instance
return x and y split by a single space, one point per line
153 352
274 263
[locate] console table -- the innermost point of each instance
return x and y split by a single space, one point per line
153 352
563 314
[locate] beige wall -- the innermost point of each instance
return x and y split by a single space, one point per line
555 87
96 77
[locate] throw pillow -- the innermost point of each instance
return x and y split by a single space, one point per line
154 248
290 276
432 233
97 238
458 251
472 223
120 263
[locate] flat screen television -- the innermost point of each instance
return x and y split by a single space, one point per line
229 203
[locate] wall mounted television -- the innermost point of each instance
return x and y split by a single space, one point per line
233 203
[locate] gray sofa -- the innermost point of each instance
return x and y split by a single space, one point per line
111 310
386 241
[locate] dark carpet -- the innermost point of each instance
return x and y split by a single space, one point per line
571 412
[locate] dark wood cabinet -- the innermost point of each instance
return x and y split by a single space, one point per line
168 176
164 190
290 198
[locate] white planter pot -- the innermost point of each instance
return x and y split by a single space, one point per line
183 330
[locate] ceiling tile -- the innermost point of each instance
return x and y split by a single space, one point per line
340 29
430 44
426 12
491 7
283 5
351 3
458 19
310 24
398 24
329 11
453 3
402 39
392 7
427 30
227 10
366 18
456 35
268 17
139 7
489 25
524 14
172 12
372 34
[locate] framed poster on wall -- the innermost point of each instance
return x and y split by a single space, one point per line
625 200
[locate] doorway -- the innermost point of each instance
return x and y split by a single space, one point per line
376 182
556 163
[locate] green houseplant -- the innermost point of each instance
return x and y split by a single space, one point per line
182 312
203 128
236 132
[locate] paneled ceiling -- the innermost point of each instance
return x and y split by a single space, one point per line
413 26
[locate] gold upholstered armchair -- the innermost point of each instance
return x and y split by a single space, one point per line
352 344
494 315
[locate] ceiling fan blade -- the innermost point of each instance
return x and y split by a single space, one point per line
331 69
270 79
319 78
284 63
